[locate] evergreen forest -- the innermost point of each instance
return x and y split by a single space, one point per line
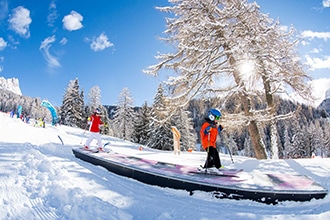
305 134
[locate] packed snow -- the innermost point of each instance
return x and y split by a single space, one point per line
41 179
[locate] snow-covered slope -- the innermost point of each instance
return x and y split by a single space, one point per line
41 179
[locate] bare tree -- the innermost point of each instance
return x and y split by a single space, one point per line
213 40
268 64
204 60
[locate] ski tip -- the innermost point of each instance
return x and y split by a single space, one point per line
106 144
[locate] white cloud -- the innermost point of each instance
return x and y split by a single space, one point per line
72 21
3 44
304 42
320 87
13 42
44 47
20 20
1 60
317 63
100 43
311 34
316 51
3 9
326 3
63 41
52 16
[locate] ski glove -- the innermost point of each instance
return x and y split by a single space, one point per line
207 129
220 128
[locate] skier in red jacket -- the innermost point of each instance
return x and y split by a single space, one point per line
208 134
94 128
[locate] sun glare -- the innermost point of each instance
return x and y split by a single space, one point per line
246 68
249 75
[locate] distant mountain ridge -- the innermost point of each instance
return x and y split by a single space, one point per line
11 85
325 104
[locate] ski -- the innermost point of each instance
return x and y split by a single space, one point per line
217 172
223 169
105 150
213 173
106 144
95 150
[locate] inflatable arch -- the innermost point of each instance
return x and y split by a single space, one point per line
52 110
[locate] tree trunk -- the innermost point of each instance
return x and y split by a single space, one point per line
256 139
273 128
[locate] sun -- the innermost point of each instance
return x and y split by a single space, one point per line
249 74
247 68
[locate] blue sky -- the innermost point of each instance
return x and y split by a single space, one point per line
107 43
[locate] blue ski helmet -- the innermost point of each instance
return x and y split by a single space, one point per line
214 114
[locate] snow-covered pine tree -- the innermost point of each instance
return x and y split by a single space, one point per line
325 149
141 132
298 140
161 136
72 105
105 129
94 98
124 116
286 141
182 120
248 151
35 109
94 101
82 107
31 106
231 144
313 135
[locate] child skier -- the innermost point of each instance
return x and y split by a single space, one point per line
94 128
208 133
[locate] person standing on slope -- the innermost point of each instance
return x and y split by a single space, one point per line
208 133
95 122
176 139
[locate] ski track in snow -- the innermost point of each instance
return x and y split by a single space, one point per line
42 211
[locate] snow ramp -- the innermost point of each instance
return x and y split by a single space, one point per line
269 188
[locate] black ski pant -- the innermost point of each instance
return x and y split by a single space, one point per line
213 159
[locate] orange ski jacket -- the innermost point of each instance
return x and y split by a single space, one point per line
208 134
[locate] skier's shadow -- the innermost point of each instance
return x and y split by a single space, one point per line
248 165
300 169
